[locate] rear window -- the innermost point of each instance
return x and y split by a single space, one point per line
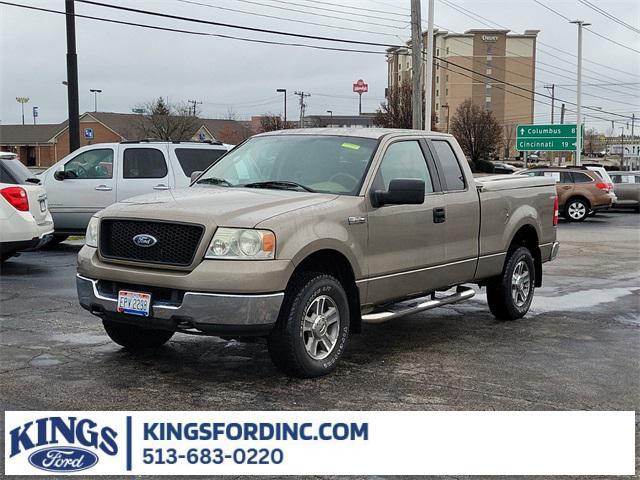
197 159
581 177
144 163
14 171
450 167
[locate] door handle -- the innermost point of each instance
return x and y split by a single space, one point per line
439 215
161 186
103 188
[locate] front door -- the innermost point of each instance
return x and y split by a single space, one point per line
88 186
144 169
405 241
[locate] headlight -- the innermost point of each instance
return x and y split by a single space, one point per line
91 237
242 244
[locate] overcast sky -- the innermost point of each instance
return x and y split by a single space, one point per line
133 65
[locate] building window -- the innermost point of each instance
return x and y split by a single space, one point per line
487 99
437 107
489 71
446 92
437 79
437 66
437 93
447 50
437 52
447 77
488 86
489 57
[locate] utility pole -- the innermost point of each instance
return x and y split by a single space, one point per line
633 121
578 161
552 90
302 96
22 101
284 94
428 101
194 106
72 77
416 68
562 114
95 92
621 148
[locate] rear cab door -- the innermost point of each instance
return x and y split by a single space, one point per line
461 211
143 168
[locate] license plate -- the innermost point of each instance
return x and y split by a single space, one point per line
43 206
134 303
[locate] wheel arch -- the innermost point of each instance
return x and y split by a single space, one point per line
527 236
334 262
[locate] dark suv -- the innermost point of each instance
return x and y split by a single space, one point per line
580 191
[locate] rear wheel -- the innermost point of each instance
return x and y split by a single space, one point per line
509 295
134 338
312 330
576 210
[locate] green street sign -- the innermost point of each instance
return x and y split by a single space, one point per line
546 137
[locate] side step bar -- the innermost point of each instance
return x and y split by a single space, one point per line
417 305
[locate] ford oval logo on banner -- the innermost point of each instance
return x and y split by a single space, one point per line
63 459
144 240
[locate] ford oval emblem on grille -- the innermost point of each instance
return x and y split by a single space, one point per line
144 240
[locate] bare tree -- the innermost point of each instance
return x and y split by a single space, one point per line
167 121
231 114
395 112
477 131
270 122
508 138
593 142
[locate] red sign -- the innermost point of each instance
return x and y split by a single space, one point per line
360 86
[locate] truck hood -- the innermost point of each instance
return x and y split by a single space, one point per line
215 206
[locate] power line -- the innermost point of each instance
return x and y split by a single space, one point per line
275 17
359 8
609 16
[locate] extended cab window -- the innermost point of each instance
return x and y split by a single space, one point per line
403 160
197 159
90 164
453 177
144 163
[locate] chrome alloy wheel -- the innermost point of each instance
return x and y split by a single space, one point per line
577 210
520 283
321 327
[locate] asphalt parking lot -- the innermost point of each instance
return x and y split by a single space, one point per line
578 348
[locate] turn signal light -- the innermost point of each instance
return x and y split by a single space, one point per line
555 211
603 186
17 197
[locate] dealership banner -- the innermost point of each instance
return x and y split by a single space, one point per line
319 443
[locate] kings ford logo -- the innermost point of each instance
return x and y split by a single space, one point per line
63 444
67 459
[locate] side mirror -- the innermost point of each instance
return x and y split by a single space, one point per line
402 191
59 175
195 175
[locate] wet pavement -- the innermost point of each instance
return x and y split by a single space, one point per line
578 348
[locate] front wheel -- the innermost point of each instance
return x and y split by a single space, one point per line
312 330
510 295
135 338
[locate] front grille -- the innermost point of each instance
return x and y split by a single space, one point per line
176 242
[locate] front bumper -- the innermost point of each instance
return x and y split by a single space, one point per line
198 312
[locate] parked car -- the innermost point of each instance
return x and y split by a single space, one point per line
499 167
95 176
604 175
13 171
627 188
302 235
580 191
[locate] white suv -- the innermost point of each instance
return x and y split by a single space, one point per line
93 177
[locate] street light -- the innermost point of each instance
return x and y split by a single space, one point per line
330 112
284 91
22 101
580 23
95 92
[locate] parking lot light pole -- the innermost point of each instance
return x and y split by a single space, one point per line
578 160
330 112
22 101
284 92
95 92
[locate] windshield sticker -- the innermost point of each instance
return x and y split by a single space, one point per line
352 146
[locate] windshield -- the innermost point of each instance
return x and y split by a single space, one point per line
320 163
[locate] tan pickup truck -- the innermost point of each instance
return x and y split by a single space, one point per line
301 236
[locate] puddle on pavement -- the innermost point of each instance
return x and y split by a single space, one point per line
578 300
45 360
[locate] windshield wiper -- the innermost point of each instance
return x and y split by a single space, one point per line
286 184
215 181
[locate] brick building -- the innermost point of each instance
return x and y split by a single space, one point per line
43 145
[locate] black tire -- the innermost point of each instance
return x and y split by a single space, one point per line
135 338
286 341
576 210
499 291
56 239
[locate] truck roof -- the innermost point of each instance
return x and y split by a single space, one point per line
374 133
